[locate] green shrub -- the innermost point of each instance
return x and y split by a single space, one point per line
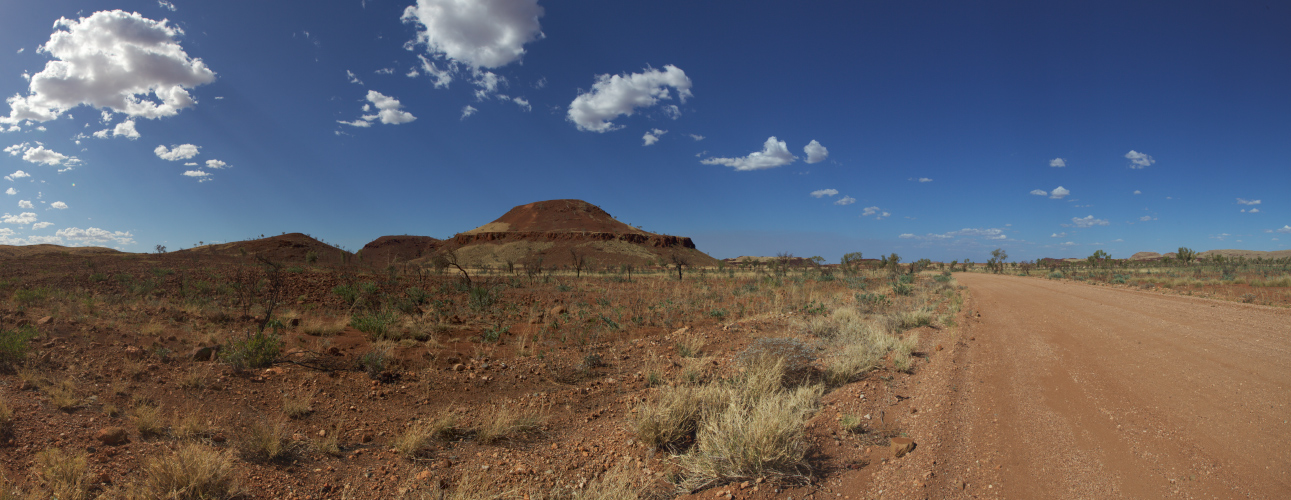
1055 275
30 296
376 324
311 257
258 350
374 361
14 345
481 297
902 289
346 293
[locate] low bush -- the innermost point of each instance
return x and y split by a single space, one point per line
193 472
258 350
14 345
375 324
267 442
507 423
63 474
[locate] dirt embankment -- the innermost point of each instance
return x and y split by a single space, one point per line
1065 390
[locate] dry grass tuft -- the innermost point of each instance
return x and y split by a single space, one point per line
63 395
63 474
196 378
267 442
194 472
6 419
148 421
507 423
416 442
323 327
297 405
192 427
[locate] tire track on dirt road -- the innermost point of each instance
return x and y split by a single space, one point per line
1078 391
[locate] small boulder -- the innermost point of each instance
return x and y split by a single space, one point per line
134 352
205 353
45 320
901 446
558 310
112 436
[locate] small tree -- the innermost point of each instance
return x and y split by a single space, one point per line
1186 255
952 265
579 262
679 261
851 263
161 249
1098 258
783 259
449 258
893 261
998 258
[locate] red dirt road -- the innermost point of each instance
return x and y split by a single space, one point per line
1069 390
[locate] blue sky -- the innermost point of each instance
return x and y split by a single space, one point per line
936 129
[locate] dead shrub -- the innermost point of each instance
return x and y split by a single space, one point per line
193 472
63 474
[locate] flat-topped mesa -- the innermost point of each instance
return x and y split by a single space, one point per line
555 231
557 216
400 248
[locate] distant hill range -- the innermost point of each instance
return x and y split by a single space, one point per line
287 248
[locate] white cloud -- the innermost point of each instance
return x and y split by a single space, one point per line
652 136
478 34
1139 160
95 235
352 79
925 179
1285 229
41 225
696 137
25 204
845 200
1138 192
815 152
388 112
1087 221
23 218
190 164
1243 201
39 155
216 164
440 77
467 111
1057 162
124 129
968 232
11 191
523 103
166 5
774 154
58 205
200 175
1039 192
620 95
176 153
1145 218
16 175
116 60
875 211
821 193
1059 193
384 71
1252 211
1058 235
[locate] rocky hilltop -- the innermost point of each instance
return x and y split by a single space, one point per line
286 248
555 230
399 248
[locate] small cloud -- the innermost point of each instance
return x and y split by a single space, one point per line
384 71
696 137
1087 221
176 153
1057 162
22 218
216 164
846 200
1139 160
58 205
613 96
523 103
166 5
653 136
389 111
201 176
1244 201
925 179
1058 235
11 191
1138 192
815 152
353 79
16 175
1147 218
774 154
1285 229
877 212
821 193
96 235
1059 193
1253 211
41 225
1039 192
468 111
1118 240
1068 243
25 204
